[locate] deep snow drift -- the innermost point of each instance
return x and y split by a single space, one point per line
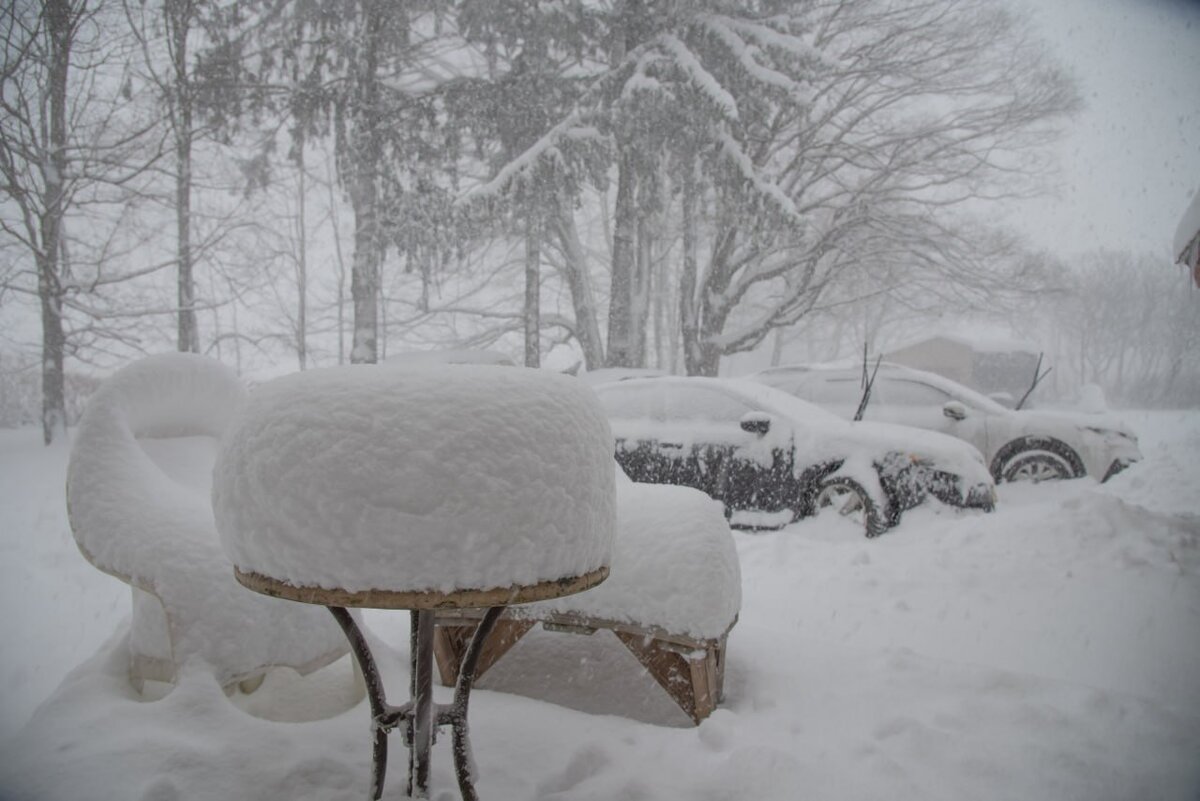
1050 650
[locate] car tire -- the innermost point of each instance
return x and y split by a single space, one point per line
848 498
1036 459
1036 466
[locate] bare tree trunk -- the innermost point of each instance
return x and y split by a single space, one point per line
214 316
237 339
364 277
639 304
364 192
703 320
688 312
178 14
341 268
533 315
660 316
302 266
59 35
381 347
54 413
587 326
777 343
622 348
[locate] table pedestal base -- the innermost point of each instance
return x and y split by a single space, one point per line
420 715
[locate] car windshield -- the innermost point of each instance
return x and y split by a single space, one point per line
769 399
954 389
704 402
634 399
894 386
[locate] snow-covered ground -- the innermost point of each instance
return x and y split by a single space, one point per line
1050 650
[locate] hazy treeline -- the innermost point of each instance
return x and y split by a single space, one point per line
1126 322
620 182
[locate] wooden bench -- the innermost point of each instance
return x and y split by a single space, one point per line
691 670
672 596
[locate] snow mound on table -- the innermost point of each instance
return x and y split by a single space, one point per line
138 502
426 479
675 565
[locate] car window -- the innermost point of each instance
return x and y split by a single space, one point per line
626 401
704 404
833 390
902 392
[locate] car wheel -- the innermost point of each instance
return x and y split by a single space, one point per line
1036 459
1037 466
846 497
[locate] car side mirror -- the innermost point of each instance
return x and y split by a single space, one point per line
955 410
756 423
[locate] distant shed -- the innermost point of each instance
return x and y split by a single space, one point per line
1187 239
1002 368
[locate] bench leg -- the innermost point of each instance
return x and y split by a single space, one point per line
450 643
692 679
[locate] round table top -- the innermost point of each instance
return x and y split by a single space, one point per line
364 477
423 599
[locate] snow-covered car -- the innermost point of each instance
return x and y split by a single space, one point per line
1030 444
771 458
607 375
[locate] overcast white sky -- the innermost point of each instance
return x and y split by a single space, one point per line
1132 160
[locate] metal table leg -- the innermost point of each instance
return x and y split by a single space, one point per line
456 713
421 723
420 715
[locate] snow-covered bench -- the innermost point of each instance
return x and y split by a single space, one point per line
672 596
138 489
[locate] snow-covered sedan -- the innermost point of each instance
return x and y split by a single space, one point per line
1030 444
771 458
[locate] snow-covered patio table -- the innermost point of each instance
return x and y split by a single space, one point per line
421 489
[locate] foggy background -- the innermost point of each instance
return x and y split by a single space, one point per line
1087 277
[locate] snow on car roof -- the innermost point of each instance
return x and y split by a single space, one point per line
607 375
818 372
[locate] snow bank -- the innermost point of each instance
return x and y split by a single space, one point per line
426 479
1045 651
